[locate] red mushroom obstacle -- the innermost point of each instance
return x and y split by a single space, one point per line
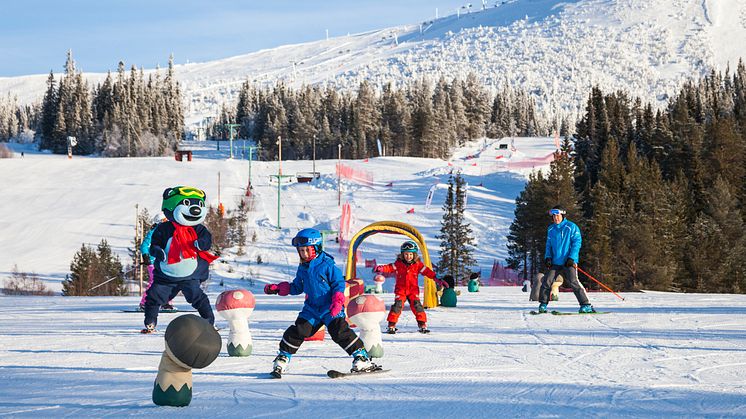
367 312
236 306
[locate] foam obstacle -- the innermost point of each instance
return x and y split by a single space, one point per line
367 312
236 307
191 342
430 299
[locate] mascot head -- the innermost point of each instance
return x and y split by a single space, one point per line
184 205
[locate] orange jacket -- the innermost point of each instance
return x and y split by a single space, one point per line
407 276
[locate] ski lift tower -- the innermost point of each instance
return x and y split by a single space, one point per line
279 176
230 133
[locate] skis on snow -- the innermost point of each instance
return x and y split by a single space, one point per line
567 313
376 369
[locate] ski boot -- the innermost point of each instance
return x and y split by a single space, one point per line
422 327
280 364
392 329
586 308
361 361
542 308
149 328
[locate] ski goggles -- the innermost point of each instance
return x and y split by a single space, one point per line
187 191
305 241
555 211
409 246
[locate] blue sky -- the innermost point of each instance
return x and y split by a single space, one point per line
35 34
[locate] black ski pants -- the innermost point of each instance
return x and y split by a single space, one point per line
338 329
570 275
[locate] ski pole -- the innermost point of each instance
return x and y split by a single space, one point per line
109 280
599 283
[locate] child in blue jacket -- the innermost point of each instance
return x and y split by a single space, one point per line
324 285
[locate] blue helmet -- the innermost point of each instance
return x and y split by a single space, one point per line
409 246
308 237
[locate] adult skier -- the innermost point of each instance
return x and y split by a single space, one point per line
323 283
408 268
561 258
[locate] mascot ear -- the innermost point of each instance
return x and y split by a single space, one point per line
167 193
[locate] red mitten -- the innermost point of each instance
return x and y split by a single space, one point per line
338 302
283 288
441 283
270 289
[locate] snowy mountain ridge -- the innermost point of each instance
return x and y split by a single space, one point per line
554 49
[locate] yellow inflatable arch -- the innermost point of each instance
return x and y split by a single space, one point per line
393 227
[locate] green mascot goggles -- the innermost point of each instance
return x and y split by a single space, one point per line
172 197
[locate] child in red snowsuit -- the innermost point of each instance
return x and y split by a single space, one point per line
408 267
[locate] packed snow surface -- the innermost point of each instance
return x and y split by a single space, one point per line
654 355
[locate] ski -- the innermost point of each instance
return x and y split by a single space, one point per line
570 313
161 311
340 374
534 312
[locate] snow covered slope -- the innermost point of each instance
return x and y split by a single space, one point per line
555 49
657 355
52 205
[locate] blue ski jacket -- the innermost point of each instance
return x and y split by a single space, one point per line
145 245
319 279
563 241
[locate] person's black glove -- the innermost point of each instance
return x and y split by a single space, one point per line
569 263
548 262
145 260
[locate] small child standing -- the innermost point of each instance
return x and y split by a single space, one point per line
408 267
323 283
149 261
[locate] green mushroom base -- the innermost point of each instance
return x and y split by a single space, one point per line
239 350
449 298
376 351
172 397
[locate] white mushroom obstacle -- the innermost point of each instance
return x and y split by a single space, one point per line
379 280
191 342
367 312
236 306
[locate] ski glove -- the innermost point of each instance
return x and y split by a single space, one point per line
338 301
282 289
145 260
548 262
378 269
569 263
441 283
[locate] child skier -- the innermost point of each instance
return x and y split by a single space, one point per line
324 285
149 261
408 267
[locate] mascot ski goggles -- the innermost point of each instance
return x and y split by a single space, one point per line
186 191
555 211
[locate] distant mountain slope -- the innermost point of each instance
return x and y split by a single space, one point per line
554 49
